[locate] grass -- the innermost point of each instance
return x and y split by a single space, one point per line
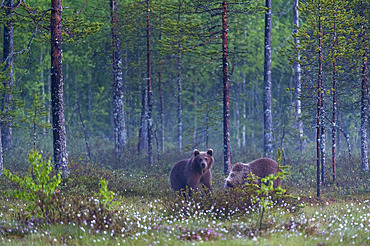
337 222
144 211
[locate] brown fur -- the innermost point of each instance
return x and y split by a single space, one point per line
262 167
190 172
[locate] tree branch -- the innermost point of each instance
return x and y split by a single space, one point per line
83 7
33 36
201 44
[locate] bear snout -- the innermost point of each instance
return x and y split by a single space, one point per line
228 184
203 165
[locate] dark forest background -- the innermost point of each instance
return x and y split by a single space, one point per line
186 60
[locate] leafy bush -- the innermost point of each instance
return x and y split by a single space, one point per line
38 187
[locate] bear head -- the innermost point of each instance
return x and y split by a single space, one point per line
237 176
202 160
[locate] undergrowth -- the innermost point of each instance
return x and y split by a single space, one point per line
134 205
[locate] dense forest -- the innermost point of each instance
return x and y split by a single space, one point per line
122 90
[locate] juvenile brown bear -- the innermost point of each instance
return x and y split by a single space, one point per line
262 167
190 172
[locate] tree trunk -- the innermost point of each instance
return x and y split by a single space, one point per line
297 80
334 118
322 142
237 118
244 134
118 100
88 151
338 124
1 156
179 85
48 105
8 59
318 125
195 112
161 99
267 108
225 78
161 108
59 131
143 120
149 90
364 96
89 96
346 135
42 88
207 127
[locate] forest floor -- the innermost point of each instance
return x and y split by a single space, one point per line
142 210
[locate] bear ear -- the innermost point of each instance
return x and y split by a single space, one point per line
238 167
196 152
210 152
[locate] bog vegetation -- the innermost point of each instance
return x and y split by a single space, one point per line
144 83
97 205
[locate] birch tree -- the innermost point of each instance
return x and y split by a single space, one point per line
149 89
364 92
297 79
120 134
179 85
267 100
225 79
8 59
319 107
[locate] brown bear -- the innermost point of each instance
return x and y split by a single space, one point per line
190 172
262 167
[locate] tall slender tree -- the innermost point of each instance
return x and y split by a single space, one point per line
160 90
59 131
364 93
334 115
120 134
319 107
1 156
8 59
179 85
297 79
267 100
161 99
225 79
322 130
149 88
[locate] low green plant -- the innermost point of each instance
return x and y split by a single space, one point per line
105 196
266 189
37 187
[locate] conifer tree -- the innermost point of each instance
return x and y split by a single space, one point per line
57 105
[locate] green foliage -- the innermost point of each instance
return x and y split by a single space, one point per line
8 112
105 196
36 117
38 187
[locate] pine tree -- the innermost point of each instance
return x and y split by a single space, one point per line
57 105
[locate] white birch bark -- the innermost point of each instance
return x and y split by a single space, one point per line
267 97
297 80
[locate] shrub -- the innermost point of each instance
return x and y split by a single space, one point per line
38 187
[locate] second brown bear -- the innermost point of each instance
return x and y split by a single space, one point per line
262 168
193 171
